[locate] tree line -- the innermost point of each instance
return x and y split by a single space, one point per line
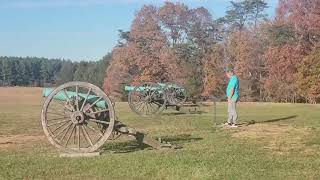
277 59
33 71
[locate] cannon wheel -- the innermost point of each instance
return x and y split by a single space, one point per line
77 124
176 94
147 99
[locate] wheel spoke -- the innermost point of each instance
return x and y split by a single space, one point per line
77 100
75 134
142 107
94 130
68 108
180 98
153 108
58 122
67 130
86 135
139 105
78 131
73 128
93 104
56 110
139 96
65 93
139 89
147 108
96 112
59 102
59 127
157 103
98 121
63 105
55 113
150 107
58 118
151 95
85 100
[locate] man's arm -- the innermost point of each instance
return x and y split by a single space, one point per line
231 94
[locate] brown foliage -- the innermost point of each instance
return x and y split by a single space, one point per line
305 18
246 50
213 72
282 65
297 58
150 50
146 56
275 60
174 18
309 76
117 73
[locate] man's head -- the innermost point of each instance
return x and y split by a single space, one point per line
229 72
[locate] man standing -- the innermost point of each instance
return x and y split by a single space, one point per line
233 97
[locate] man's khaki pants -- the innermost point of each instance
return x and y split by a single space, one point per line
232 111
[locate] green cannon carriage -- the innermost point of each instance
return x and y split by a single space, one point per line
152 98
78 117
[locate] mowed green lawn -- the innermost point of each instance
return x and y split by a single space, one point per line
284 143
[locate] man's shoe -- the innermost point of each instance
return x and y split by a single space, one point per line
227 124
233 126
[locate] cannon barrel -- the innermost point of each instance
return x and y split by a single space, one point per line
62 97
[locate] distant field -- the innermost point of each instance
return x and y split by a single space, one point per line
284 143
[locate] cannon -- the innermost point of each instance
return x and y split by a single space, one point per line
78 117
152 98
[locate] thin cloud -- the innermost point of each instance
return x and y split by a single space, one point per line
78 3
51 4
85 3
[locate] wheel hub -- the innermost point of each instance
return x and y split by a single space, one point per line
77 117
149 99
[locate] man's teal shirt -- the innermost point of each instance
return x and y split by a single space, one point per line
233 84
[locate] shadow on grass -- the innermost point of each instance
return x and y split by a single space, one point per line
278 119
181 139
268 121
133 145
184 113
124 147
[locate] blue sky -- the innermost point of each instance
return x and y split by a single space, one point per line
75 29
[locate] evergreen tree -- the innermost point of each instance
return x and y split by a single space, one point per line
67 72
44 72
81 73
6 71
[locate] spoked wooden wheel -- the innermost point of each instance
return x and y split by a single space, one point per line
176 94
147 99
77 117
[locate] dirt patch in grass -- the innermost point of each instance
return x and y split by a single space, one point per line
16 141
278 138
20 95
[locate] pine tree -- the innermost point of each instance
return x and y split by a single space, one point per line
44 72
67 72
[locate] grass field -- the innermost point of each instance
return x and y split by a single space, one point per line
284 143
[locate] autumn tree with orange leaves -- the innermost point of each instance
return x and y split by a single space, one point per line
154 49
293 45
276 59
